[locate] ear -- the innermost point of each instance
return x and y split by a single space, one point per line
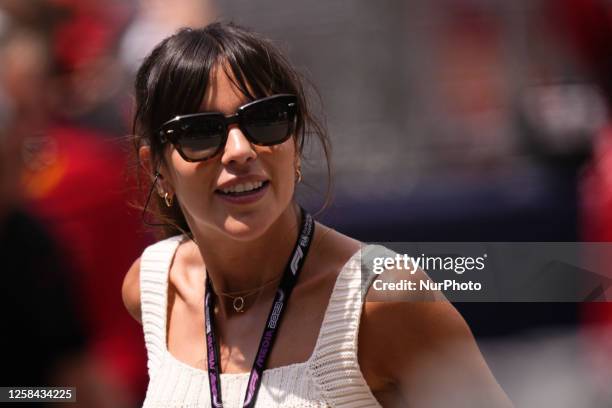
144 156
297 168
298 160
146 161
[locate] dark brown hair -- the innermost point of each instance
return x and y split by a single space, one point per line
174 77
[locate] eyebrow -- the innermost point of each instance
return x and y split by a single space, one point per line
224 113
217 111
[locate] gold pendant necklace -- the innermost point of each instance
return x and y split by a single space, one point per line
238 301
238 304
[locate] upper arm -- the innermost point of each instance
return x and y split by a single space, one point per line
130 291
430 355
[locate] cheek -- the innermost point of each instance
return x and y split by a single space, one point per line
182 168
283 164
189 180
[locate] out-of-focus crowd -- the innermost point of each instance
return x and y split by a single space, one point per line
68 232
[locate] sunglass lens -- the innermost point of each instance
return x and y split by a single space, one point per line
201 138
269 122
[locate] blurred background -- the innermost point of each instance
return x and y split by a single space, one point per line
451 120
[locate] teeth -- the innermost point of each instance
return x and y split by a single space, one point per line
240 188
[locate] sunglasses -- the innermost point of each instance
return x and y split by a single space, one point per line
200 136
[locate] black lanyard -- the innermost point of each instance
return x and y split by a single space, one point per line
285 287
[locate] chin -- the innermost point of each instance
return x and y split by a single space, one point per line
246 227
241 224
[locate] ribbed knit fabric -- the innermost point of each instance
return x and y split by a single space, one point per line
329 378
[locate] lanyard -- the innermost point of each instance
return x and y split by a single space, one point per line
285 287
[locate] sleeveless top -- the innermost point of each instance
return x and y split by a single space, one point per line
331 377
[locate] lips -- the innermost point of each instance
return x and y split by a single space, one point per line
241 180
243 188
243 191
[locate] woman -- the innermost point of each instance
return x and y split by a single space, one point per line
225 171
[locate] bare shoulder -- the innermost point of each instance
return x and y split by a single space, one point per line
130 291
332 249
415 325
328 254
186 276
427 346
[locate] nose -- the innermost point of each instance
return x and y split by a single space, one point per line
238 150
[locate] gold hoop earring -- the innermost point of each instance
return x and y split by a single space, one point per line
168 199
298 175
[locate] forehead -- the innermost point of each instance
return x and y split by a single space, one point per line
222 95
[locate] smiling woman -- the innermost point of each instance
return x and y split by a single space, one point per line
253 302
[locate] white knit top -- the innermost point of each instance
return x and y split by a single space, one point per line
329 378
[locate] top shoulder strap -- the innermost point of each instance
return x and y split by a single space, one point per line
334 366
154 266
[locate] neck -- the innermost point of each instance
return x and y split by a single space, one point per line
239 267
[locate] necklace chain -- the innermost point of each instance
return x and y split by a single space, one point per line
238 297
